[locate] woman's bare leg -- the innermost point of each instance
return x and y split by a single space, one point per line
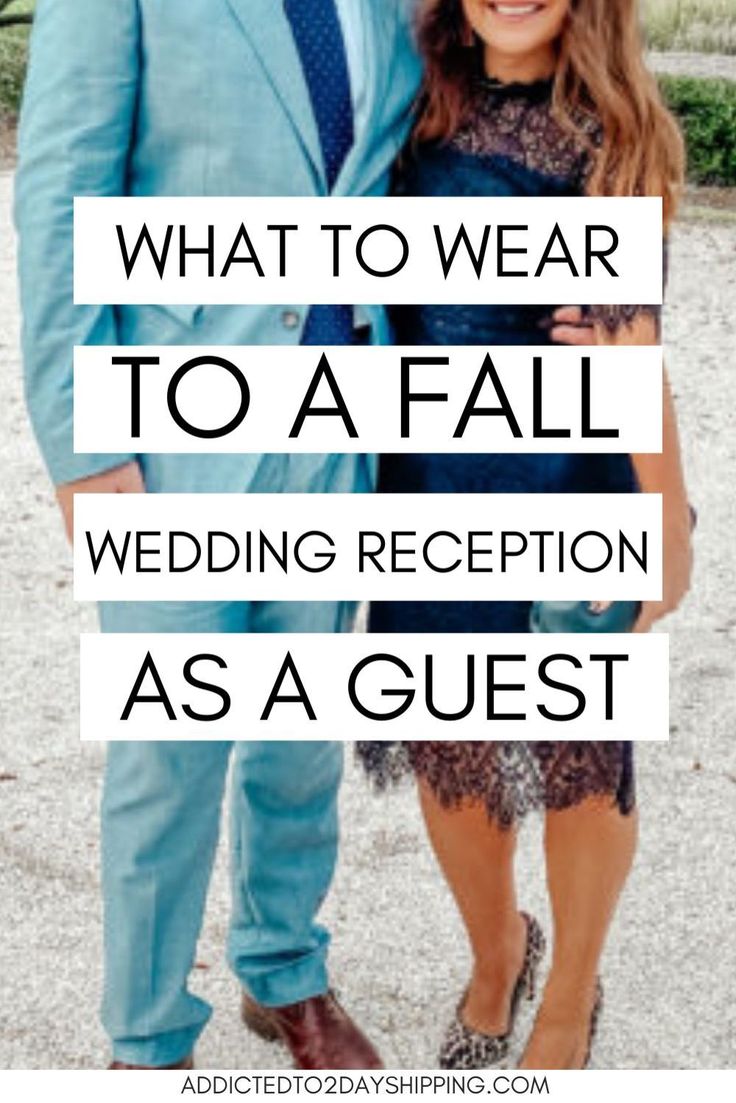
477 859
589 849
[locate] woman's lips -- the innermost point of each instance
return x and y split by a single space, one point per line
515 12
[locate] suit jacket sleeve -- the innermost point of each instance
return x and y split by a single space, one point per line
76 124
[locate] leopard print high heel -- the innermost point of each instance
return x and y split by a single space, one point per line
594 1020
464 1048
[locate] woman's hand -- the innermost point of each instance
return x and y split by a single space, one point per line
127 479
677 564
571 326
659 474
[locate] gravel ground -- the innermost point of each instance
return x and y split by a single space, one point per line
398 956
7 140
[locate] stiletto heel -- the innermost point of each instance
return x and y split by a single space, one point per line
535 947
464 1048
594 1020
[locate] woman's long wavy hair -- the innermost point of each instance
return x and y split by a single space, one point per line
600 69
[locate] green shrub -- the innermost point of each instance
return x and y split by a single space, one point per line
706 110
13 51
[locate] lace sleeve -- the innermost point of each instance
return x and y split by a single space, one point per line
615 318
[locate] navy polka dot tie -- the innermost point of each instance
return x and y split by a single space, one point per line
317 32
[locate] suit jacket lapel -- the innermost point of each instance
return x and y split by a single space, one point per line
380 22
267 27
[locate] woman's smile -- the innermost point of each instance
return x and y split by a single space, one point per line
516 13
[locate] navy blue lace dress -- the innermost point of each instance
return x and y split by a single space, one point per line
511 146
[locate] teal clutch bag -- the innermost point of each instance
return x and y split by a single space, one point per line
578 616
581 616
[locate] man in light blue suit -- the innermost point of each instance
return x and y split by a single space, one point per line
206 97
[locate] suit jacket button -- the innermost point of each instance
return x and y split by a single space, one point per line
291 319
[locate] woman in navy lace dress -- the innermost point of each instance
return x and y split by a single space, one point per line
528 98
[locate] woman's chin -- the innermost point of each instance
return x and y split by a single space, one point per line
514 27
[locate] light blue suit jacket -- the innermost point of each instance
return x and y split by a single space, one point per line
175 97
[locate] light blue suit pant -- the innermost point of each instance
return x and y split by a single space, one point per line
160 822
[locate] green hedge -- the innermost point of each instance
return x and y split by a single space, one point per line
13 55
13 51
707 113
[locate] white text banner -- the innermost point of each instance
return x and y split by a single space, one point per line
380 399
367 547
394 250
508 686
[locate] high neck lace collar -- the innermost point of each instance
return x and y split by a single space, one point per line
534 91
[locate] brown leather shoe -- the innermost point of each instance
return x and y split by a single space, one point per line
318 1032
185 1063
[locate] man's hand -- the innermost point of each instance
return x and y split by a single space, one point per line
127 479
